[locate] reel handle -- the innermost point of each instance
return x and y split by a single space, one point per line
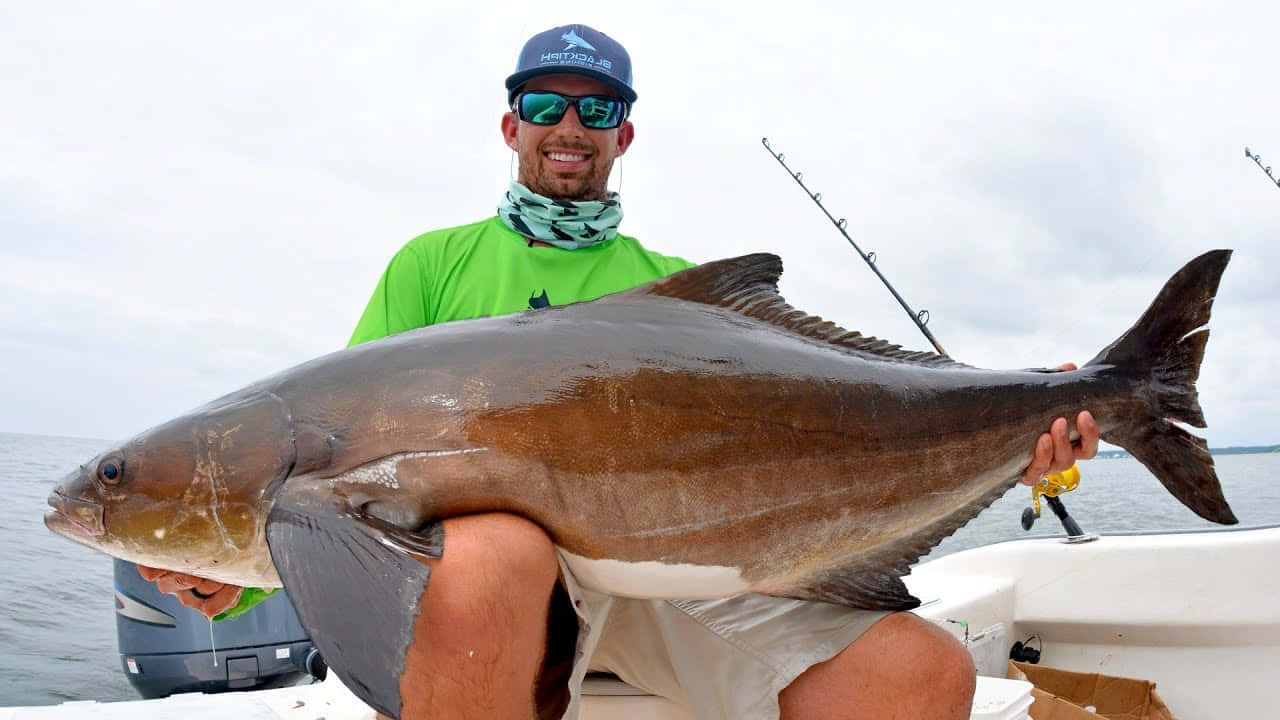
1051 486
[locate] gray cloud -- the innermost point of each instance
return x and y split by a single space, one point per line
191 199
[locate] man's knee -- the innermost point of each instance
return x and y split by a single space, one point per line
479 638
494 579
935 661
496 555
902 666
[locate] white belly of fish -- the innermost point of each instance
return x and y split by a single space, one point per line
651 579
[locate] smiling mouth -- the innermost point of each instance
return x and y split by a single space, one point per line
569 157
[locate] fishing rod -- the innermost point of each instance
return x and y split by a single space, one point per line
1266 169
921 319
1050 486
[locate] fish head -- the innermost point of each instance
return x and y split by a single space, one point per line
191 495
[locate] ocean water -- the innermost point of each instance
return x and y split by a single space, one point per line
57 618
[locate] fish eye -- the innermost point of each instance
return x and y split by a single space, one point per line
111 470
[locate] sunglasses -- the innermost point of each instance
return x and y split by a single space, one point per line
599 112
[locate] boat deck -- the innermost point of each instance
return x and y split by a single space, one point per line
1194 612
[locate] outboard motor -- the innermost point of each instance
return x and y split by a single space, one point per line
165 647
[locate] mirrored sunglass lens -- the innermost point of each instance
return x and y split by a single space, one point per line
542 108
599 112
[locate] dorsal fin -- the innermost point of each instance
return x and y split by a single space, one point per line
748 285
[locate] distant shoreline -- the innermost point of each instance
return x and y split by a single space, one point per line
52 437
1247 450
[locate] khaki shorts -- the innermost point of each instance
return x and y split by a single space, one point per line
725 658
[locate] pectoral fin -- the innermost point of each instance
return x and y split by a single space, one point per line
356 582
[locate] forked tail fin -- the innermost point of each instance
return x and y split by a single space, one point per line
1164 350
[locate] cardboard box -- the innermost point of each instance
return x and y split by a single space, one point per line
1064 695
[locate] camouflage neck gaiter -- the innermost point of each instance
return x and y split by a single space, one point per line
565 224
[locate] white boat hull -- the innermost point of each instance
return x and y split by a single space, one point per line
1196 613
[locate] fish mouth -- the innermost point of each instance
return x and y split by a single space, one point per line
74 516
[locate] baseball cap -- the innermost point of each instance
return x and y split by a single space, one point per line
575 50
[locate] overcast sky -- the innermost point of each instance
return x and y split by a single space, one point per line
193 198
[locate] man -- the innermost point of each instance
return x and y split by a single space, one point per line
495 636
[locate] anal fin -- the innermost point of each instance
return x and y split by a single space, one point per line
858 587
873 579
356 582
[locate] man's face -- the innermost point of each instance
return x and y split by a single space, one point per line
566 161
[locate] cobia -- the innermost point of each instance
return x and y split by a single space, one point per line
696 436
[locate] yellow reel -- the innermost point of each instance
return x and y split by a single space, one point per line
1055 484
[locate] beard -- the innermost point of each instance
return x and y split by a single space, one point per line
589 185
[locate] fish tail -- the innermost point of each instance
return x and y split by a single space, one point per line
1162 352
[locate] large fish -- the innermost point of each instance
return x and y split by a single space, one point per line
694 437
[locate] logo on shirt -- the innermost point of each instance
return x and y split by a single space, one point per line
537 302
574 41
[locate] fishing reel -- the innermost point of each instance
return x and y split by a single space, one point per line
1051 486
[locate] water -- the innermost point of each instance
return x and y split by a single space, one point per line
57 616
57 622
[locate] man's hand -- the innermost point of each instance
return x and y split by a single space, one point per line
207 597
1054 452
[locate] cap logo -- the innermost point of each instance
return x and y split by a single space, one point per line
574 41
571 56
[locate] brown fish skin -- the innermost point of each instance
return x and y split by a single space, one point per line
638 427
697 423
687 435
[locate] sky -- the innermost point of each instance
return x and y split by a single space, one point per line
192 198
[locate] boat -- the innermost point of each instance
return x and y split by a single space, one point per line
164 647
1195 612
